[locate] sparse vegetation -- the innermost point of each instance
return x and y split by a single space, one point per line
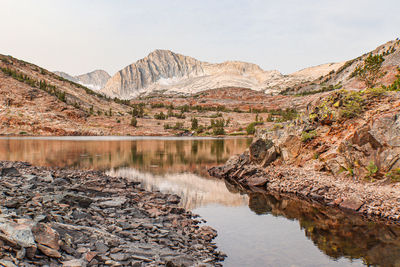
195 123
370 71
178 126
394 175
282 115
137 111
160 116
308 136
352 105
395 86
134 121
41 84
251 128
218 126
323 89
372 169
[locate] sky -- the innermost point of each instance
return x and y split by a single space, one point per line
78 36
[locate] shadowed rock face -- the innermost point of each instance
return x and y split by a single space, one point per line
336 233
163 70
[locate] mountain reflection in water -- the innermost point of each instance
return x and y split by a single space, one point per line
195 191
168 155
336 233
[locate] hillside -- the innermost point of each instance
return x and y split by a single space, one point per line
37 102
344 77
94 80
167 72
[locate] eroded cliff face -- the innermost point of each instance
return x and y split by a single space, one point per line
166 71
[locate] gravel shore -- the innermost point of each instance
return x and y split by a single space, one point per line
379 200
65 217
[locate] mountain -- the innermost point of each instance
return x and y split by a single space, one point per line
94 80
166 71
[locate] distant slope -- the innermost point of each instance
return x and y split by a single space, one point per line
343 77
94 80
318 71
166 71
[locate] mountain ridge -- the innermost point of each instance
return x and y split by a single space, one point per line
166 71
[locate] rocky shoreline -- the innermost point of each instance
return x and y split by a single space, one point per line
65 217
378 200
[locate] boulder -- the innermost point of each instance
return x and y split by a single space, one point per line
76 200
258 150
11 171
351 204
45 235
49 251
290 148
74 263
20 233
113 203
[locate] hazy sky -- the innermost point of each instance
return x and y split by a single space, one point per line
80 36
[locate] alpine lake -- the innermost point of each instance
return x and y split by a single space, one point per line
254 229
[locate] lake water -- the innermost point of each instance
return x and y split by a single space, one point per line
255 229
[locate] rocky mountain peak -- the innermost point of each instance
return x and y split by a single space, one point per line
94 80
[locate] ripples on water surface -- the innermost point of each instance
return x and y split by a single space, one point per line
254 229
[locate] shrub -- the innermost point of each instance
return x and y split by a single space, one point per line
282 115
218 126
134 122
195 123
277 126
160 116
395 86
137 111
394 175
251 128
157 105
218 131
321 90
178 126
372 169
307 136
370 71
200 129
184 108
351 108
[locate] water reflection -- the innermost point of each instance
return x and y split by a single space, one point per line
334 232
157 156
195 191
